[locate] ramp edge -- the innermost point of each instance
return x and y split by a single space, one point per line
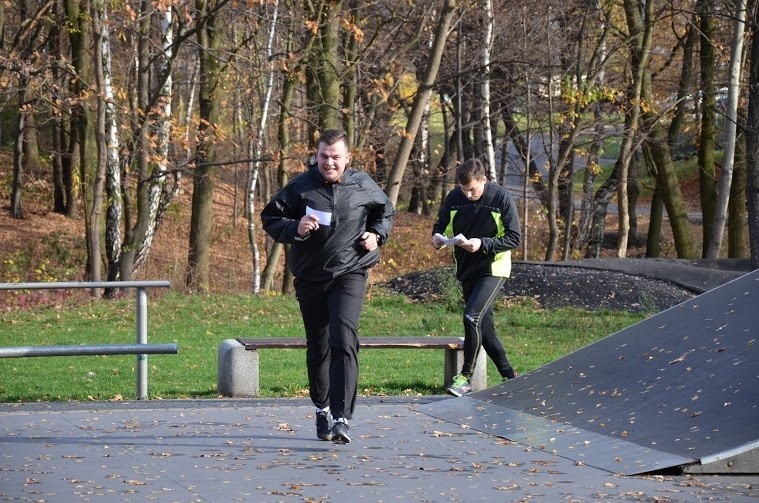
614 455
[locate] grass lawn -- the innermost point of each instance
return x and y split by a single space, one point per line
199 323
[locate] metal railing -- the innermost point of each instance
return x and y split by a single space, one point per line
141 348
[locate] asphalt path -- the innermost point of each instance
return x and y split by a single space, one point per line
266 451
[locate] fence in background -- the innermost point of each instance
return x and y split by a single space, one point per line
141 348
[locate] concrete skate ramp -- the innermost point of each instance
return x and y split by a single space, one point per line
680 389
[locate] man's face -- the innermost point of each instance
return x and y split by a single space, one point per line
474 189
332 160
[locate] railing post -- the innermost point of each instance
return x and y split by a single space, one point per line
142 338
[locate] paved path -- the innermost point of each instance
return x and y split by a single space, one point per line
698 275
266 451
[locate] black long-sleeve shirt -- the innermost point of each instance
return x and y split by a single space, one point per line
356 204
493 219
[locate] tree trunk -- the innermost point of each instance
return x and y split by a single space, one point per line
706 143
256 153
592 169
641 34
657 141
161 118
653 238
330 116
59 79
351 81
18 165
209 101
290 81
110 150
102 52
79 17
487 133
523 147
728 156
671 193
752 148
136 207
65 141
736 230
395 177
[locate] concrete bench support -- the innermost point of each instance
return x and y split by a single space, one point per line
454 359
238 360
238 370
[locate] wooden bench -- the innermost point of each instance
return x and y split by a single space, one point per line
238 372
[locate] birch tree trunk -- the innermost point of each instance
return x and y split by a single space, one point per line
255 163
162 117
640 25
487 45
728 155
291 73
146 199
18 160
109 142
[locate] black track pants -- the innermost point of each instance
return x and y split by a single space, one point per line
479 328
331 312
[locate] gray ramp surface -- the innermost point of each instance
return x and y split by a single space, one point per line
668 391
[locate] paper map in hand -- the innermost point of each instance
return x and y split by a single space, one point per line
455 240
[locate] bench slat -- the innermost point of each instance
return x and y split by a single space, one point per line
365 342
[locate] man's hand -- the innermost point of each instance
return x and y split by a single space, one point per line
307 224
368 241
438 240
471 245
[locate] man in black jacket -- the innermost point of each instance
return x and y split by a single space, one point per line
479 218
334 219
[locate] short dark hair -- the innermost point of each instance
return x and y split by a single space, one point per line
332 136
471 169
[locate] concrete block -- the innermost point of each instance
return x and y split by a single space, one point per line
238 374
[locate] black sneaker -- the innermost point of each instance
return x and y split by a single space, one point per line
324 425
340 433
514 375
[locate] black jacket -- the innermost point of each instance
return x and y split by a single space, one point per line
357 205
493 218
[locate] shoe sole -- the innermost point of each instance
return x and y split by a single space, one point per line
326 438
453 392
341 439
